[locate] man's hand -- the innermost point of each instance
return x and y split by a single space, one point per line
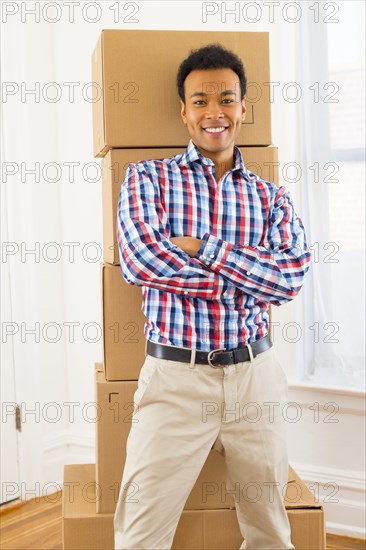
190 245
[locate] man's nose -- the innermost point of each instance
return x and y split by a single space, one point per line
214 111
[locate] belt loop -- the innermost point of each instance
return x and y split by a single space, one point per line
250 353
193 359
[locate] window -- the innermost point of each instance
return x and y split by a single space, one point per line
333 70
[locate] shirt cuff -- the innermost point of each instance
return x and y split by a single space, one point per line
213 250
203 245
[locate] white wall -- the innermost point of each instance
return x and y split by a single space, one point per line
70 212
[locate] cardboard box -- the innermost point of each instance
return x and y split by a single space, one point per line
115 401
124 341
123 326
136 103
263 161
83 528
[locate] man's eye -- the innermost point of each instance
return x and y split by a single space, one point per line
202 102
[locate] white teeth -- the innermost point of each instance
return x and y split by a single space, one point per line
215 130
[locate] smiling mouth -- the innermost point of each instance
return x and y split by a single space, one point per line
215 129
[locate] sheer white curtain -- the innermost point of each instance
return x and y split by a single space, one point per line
333 72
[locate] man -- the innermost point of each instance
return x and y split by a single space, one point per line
212 245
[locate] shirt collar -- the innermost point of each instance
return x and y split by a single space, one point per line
192 154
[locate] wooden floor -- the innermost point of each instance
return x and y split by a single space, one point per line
37 525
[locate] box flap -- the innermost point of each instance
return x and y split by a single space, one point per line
298 495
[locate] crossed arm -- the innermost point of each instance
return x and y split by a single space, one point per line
205 267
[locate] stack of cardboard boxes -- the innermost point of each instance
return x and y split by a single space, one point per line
138 117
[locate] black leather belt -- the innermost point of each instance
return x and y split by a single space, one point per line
216 358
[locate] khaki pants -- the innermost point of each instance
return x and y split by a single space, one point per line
182 410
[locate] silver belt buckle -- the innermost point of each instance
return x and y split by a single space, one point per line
209 358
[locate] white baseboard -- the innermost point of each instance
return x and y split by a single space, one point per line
343 500
339 529
64 449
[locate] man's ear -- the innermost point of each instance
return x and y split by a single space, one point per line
183 111
243 109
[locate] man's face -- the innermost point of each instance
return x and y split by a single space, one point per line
213 109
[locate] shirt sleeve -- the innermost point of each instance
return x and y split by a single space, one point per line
147 256
273 274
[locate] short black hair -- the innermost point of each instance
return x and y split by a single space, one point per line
212 56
